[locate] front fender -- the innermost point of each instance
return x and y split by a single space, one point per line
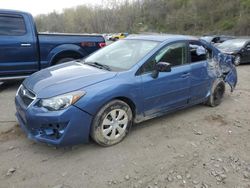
100 94
65 48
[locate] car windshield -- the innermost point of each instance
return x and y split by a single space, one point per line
121 55
232 44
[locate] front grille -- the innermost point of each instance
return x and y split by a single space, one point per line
26 95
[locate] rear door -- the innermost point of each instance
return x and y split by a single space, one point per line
18 53
199 78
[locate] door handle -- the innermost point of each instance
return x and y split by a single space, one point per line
25 44
185 75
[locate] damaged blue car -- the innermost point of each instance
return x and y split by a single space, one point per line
127 82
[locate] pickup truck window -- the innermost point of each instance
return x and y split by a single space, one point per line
12 25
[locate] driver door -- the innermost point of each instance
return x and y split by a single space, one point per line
170 90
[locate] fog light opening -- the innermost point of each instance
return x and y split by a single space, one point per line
54 131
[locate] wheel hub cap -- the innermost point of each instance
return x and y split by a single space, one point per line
114 124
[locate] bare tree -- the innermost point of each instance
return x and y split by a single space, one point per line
169 16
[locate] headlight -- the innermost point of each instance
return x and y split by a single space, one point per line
62 101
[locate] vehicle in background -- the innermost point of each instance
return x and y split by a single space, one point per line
216 39
239 48
118 36
108 36
23 51
129 81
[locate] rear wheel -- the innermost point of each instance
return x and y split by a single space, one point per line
111 123
217 93
237 60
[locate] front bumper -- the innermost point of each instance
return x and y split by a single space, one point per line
62 128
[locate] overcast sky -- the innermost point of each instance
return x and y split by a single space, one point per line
36 7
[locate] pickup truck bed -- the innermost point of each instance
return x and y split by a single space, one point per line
76 45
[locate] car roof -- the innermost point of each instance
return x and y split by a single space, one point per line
218 36
161 37
8 11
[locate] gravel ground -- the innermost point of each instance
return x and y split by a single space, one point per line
196 147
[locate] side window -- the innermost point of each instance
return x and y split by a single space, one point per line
12 25
197 52
216 40
175 54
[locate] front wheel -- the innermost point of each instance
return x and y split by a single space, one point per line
217 93
111 123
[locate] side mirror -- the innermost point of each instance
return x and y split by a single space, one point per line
161 67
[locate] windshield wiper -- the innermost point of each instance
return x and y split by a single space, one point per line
98 65
103 66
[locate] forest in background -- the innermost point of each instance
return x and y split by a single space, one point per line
195 17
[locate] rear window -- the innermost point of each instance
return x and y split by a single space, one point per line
12 25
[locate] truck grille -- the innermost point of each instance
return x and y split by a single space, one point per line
26 95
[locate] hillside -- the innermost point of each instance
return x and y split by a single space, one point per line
194 17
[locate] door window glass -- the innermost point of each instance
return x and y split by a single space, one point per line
12 26
175 54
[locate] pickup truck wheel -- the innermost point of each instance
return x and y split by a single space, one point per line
64 60
217 93
111 124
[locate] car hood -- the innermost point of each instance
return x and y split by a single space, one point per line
65 78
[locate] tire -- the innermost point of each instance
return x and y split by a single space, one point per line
106 130
217 93
116 39
237 60
64 60
10 83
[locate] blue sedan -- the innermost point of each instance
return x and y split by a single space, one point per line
127 82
